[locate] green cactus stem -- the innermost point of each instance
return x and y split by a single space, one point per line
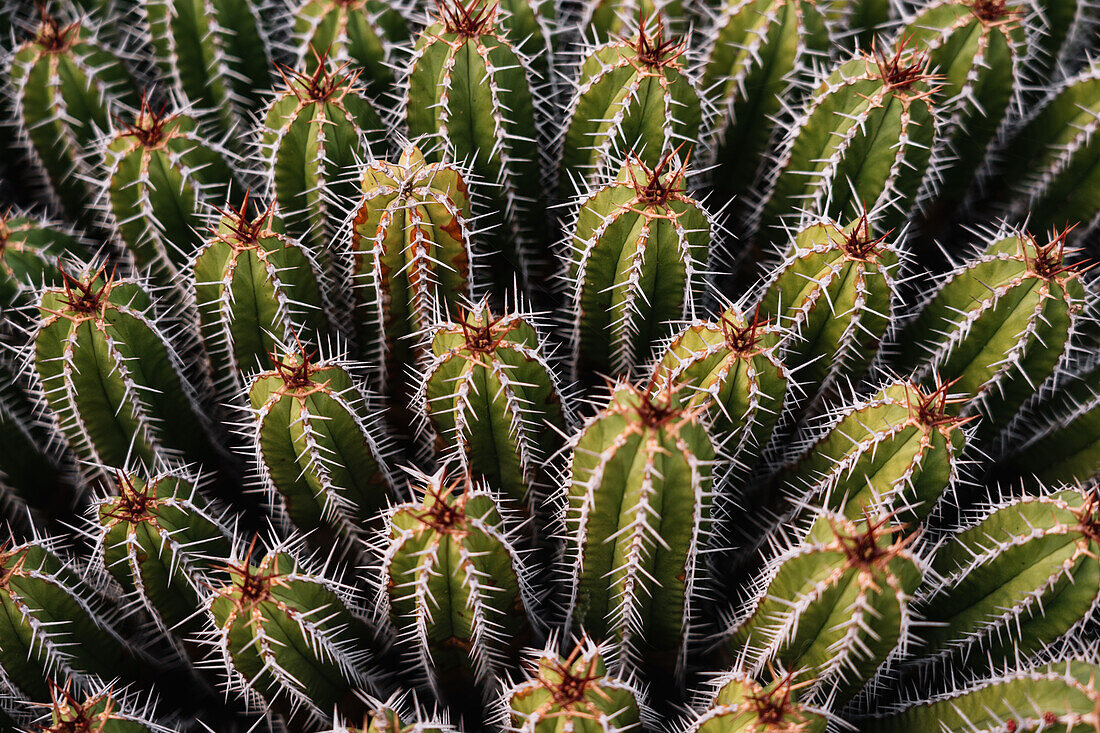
32 252
102 711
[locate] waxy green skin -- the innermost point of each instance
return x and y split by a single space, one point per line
624 105
637 520
978 57
297 645
411 259
881 454
319 452
731 370
999 325
606 705
362 33
831 613
470 97
31 250
161 541
158 189
635 266
529 25
215 53
494 402
835 291
861 144
1014 582
1055 698
253 293
1049 171
113 383
737 708
66 87
315 134
759 56
453 587
53 625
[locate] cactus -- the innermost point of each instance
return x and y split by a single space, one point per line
360 32
633 96
161 177
453 585
759 56
574 693
316 132
325 464
636 262
288 635
65 87
1013 583
742 705
836 290
32 252
255 288
110 378
637 521
998 327
837 607
863 143
412 258
215 54
858 23
494 371
470 92
101 711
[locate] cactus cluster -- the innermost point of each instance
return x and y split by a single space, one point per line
521 366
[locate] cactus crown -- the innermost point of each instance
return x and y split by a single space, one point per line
441 510
54 37
774 707
133 504
568 680
933 411
902 68
86 295
656 186
250 584
867 546
1047 261
149 126
476 18
323 84
70 715
994 12
295 368
483 334
242 230
744 339
860 243
653 50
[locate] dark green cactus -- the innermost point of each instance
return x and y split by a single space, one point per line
32 252
102 711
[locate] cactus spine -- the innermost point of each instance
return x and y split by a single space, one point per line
314 451
101 711
32 252
637 520
494 402
637 261
742 705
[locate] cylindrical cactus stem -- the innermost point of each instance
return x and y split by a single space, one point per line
529 25
454 588
216 54
836 292
759 56
837 608
1013 583
634 95
976 48
637 263
55 625
1048 172
111 380
637 521
470 92
1060 30
574 693
255 288
493 403
320 453
361 33
316 133
999 326
161 539
863 143
731 368
898 451
1059 696
100 709
161 176
289 638
412 260
740 704
66 86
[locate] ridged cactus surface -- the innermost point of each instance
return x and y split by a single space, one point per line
539 366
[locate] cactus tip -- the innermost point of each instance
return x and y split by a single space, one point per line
467 20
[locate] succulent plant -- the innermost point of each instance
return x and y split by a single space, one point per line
742 705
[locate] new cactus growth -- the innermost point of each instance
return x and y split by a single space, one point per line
318 459
102 712
742 705
863 143
412 259
491 371
453 586
637 520
636 263
161 177
574 693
